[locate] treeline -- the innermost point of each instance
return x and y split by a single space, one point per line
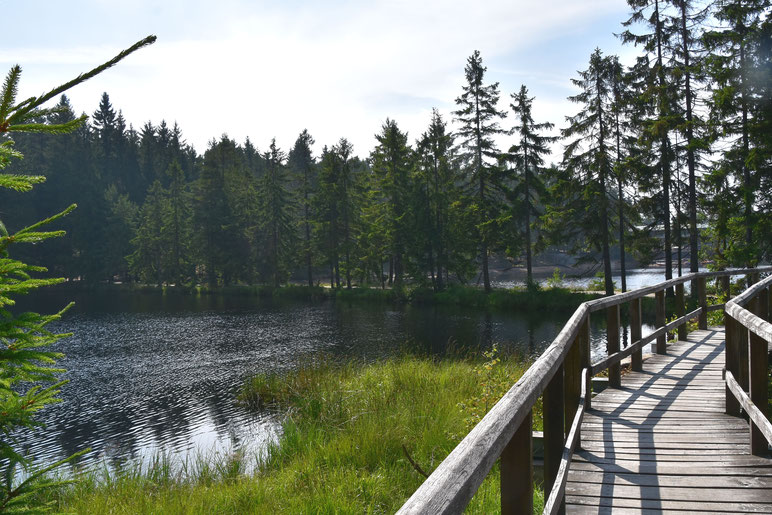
678 144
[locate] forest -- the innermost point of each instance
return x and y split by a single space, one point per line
666 158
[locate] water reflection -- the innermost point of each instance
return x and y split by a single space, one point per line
156 373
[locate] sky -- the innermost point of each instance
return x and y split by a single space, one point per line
337 68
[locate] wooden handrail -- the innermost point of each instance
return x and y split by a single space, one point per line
453 483
750 408
748 338
635 346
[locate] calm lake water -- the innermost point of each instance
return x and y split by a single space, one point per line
152 373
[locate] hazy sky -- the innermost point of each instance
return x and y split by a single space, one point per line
338 68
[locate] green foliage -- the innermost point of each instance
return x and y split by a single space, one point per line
479 117
599 283
345 433
556 279
24 337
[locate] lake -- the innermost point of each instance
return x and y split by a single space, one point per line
154 374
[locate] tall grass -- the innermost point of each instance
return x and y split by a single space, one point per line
347 434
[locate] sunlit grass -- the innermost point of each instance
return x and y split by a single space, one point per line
346 432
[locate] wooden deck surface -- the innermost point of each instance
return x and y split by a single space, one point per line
663 443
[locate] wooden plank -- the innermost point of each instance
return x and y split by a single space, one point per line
619 437
705 481
718 462
672 468
658 506
667 493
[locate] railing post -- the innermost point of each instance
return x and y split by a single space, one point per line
636 333
554 429
742 356
586 357
660 321
759 363
703 300
572 370
732 357
681 311
612 344
517 471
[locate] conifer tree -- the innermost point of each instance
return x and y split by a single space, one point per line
582 213
437 172
327 209
528 157
479 118
688 54
147 260
347 202
212 214
392 162
659 118
732 111
275 211
24 338
301 162
175 229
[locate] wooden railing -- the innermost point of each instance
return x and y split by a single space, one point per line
561 376
748 336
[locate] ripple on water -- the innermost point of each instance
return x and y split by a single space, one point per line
152 374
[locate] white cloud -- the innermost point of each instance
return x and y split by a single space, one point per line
338 69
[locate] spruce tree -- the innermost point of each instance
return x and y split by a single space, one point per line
392 163
479 117
327 209
437 172
584 215
730 64
24 338
301 162
657 100
275 212
528 157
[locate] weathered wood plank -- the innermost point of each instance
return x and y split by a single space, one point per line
658 506
667 493
662 441
705 481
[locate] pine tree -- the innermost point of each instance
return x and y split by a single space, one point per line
585 212
392 162
479 119
147 260
24 338
212 213
301 162
732 111
658 102
347 202
275 208
528 158
438 175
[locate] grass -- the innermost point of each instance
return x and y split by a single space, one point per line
346 431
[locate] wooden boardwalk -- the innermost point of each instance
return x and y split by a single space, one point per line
662 442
